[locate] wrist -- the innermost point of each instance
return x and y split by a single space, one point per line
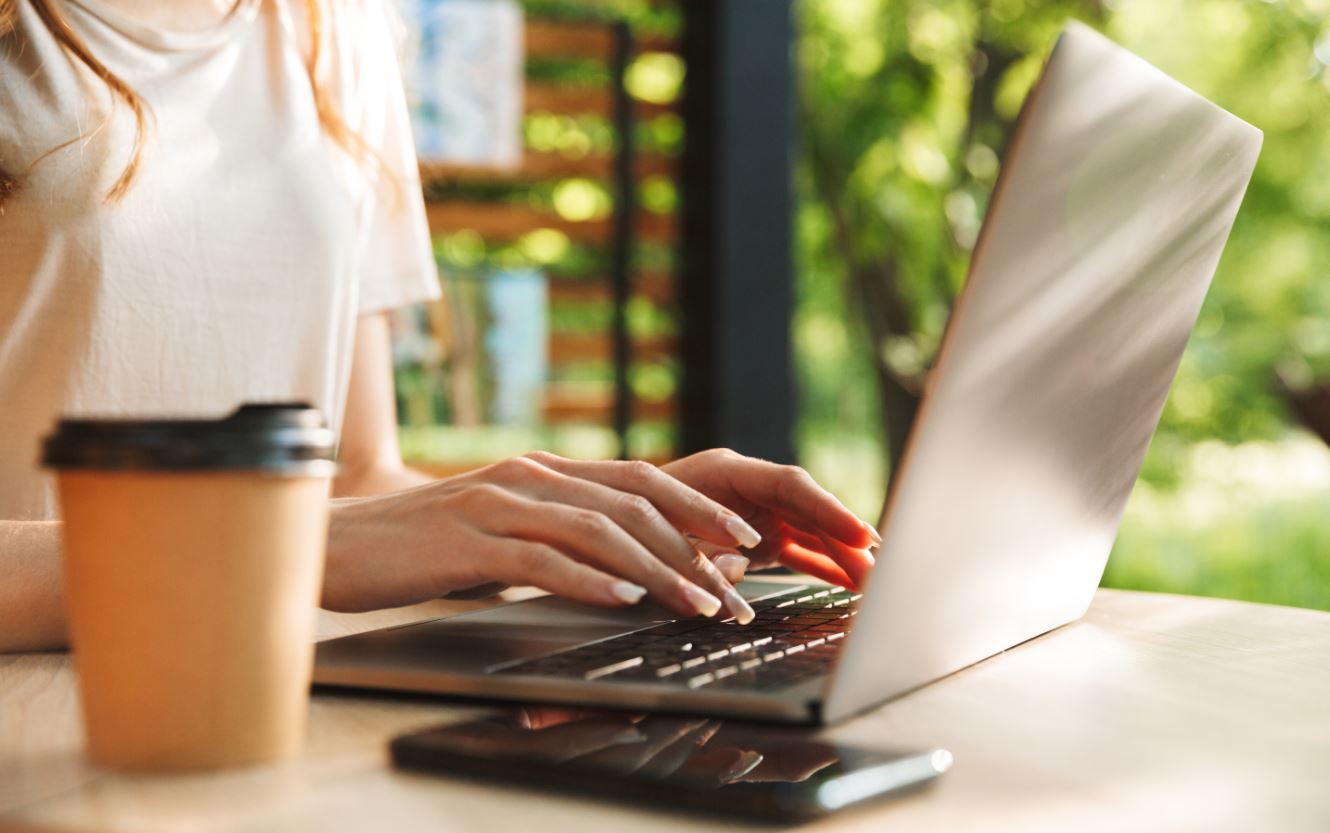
344 584
375 477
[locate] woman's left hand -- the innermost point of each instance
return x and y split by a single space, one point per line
802 525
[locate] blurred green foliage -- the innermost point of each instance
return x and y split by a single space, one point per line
906 105
906 108
888 109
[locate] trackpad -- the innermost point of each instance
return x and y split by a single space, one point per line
474 642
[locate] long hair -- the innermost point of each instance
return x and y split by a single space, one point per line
320 21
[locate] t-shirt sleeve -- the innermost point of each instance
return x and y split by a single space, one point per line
397 263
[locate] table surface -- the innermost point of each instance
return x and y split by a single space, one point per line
1154 712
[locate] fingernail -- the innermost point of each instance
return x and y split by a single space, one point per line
739 606
702 601
873 533
732 566
627 592
871 559
743 534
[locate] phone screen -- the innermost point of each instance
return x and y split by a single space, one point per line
698 763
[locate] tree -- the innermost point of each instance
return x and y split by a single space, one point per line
907 106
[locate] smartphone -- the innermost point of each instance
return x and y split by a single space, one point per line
698 764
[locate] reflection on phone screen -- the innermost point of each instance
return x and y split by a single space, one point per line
682 756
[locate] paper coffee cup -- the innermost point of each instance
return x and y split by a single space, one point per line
193 561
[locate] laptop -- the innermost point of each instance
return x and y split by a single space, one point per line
1113 206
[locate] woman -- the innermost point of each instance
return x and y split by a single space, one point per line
214 201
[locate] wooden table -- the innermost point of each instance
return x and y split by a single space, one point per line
1154 713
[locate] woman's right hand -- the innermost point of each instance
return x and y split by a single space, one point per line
604 533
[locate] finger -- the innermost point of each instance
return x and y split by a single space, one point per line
721 765
734 567
793 763
659 733
592 537
791 491
815 564
803 538
641 519
756 559
477 592
686 508
572 740
856 563
731 564
539 565
670 758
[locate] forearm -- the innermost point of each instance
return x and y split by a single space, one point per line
32 607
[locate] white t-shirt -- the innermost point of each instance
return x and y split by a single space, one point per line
235 267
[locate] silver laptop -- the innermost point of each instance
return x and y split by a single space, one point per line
1112 209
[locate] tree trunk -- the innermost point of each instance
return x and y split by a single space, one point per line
1312 408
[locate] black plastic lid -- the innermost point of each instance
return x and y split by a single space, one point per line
287 437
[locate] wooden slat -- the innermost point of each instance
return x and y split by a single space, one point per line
554 39
509 221
562 406
656 287
536 167
570 348
557 39
593 101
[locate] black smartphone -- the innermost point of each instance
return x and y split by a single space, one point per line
698 764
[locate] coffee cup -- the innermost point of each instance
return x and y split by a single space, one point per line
193 558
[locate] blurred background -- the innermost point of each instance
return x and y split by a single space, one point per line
561 249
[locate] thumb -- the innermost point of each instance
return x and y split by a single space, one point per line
730 563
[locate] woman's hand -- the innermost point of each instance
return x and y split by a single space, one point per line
802 525
604 533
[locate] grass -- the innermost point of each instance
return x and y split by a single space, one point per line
1249 522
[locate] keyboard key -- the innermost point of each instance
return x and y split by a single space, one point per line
612 668
789 642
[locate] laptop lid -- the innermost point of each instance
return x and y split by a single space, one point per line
1109 217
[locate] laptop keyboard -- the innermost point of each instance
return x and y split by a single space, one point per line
795 636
